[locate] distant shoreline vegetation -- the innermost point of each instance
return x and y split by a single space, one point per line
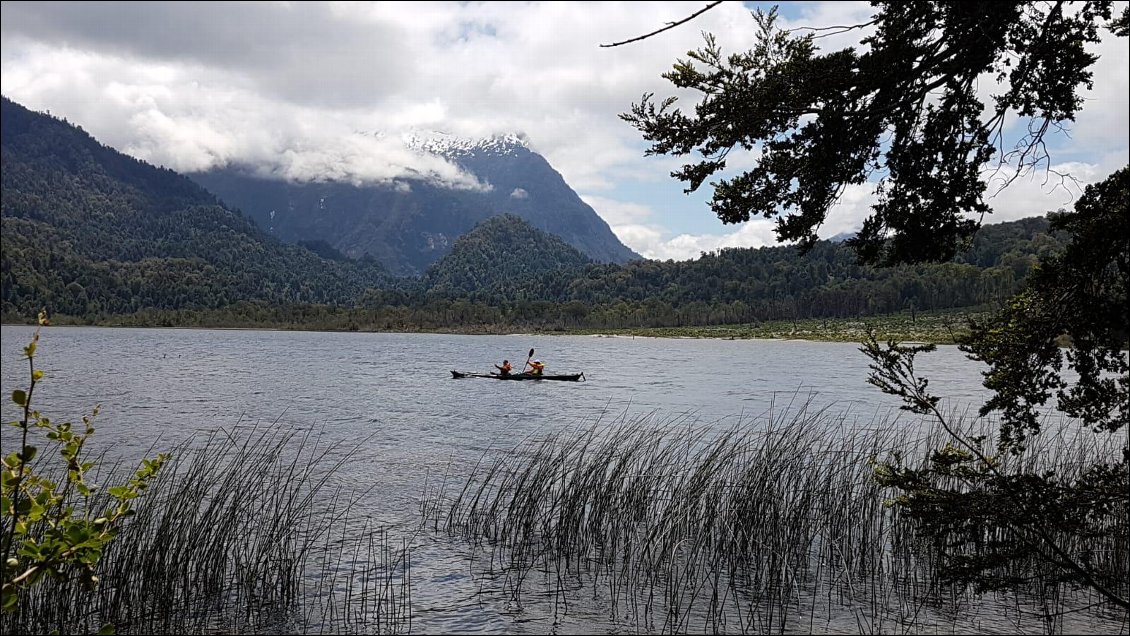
937 327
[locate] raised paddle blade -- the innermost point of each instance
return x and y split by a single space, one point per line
531 353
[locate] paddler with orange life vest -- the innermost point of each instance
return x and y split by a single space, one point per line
536 367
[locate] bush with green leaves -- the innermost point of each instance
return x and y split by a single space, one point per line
51 525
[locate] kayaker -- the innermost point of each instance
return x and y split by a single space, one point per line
536 367
504 369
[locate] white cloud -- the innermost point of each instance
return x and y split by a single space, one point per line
618 212
634 224
1037 192
188 85
636 227
1104 126
756 233
848 213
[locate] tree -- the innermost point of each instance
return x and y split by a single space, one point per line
902 110
997 522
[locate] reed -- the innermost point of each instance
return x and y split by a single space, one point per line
774 524
245 531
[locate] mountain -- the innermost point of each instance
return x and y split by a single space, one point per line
502 249
96 235
411 224
842 237
88 231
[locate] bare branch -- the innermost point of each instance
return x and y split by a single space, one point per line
834 30
670 25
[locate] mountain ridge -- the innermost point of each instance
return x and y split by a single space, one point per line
447 144
410 224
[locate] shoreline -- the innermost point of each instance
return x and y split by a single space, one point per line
936 328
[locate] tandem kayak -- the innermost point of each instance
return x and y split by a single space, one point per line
567 377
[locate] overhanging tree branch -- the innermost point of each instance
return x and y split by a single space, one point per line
906 99
670 25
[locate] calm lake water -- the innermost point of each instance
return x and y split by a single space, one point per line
161 386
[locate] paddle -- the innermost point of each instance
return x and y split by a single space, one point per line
527 360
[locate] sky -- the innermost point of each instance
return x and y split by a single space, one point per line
327 90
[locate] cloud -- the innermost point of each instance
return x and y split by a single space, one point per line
303 52
519 193
1037 192
635 226
756 233
618 212
189 85
1103 127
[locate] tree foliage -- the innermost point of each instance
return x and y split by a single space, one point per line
901 109
995 522
502 248
522 278
1080 295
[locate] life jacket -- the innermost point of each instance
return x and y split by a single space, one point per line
537 368
506 368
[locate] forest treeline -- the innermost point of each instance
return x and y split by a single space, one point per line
731 286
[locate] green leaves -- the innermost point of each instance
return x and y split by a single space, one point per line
44 528
122 492
9 597
892 371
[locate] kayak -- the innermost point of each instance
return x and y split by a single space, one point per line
568 377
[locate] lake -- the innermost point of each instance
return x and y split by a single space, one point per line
158 387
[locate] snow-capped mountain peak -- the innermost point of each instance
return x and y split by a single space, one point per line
448 145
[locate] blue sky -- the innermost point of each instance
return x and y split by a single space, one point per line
327 90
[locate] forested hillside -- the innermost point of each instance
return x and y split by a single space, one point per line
504 251
90 232
742 284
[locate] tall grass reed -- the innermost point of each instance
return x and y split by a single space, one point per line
244 531
768 525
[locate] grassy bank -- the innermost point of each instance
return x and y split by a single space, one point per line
936 327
